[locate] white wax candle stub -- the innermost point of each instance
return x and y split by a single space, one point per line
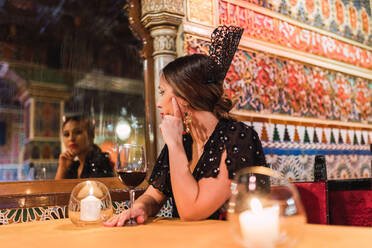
260 226
90 208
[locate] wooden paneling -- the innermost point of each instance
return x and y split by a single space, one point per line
54 192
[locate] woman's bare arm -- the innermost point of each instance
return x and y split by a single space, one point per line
197 200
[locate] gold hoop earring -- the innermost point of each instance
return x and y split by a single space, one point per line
187 122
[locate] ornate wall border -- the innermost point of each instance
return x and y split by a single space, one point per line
191 27
292 21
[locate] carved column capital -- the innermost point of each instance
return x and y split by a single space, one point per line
162 12
157 6
164 40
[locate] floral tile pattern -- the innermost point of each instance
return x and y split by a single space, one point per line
265 83
348 18
269 27
22 215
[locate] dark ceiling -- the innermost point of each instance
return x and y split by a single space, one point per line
75 35
26 21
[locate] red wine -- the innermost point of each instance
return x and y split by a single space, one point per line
131 178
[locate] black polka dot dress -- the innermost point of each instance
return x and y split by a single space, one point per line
243 149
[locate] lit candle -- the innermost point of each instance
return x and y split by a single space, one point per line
90 207
260 226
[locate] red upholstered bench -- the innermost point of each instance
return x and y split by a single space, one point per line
350 202
314 199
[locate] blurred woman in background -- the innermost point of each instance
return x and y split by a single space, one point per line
82 158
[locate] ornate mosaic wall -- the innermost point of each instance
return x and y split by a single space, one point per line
267 28
22 215
348 18
264 83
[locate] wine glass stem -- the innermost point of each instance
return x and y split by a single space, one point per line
132 194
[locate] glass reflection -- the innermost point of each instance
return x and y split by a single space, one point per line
65 58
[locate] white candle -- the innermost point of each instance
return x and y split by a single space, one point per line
90 208
260 226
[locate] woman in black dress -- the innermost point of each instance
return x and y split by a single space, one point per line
204 146
82 158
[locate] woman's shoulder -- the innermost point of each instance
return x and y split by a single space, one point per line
238 129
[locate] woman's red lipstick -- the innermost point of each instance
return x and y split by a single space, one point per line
72 145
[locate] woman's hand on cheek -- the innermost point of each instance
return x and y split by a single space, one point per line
66 158
172 126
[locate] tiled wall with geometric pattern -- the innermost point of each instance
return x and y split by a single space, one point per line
291 149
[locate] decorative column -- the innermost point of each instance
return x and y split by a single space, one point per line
162 18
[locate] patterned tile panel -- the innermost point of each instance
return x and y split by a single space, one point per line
260 25
348 18
268 84
345 159
22 215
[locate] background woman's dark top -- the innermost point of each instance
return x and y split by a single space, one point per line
97 164
241 143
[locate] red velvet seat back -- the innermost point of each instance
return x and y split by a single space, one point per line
314 200
351 207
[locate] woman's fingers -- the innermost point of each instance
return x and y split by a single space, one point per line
123 217
112 221
117 220
140 215
141 219
70 154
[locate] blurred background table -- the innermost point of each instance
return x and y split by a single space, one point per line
164 233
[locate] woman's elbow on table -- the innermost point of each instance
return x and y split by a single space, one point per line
192 215
190 218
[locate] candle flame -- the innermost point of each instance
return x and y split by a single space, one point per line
90 188
256 205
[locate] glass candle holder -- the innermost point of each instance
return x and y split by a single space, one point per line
90 203
265 211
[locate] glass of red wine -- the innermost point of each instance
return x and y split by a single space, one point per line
132 168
